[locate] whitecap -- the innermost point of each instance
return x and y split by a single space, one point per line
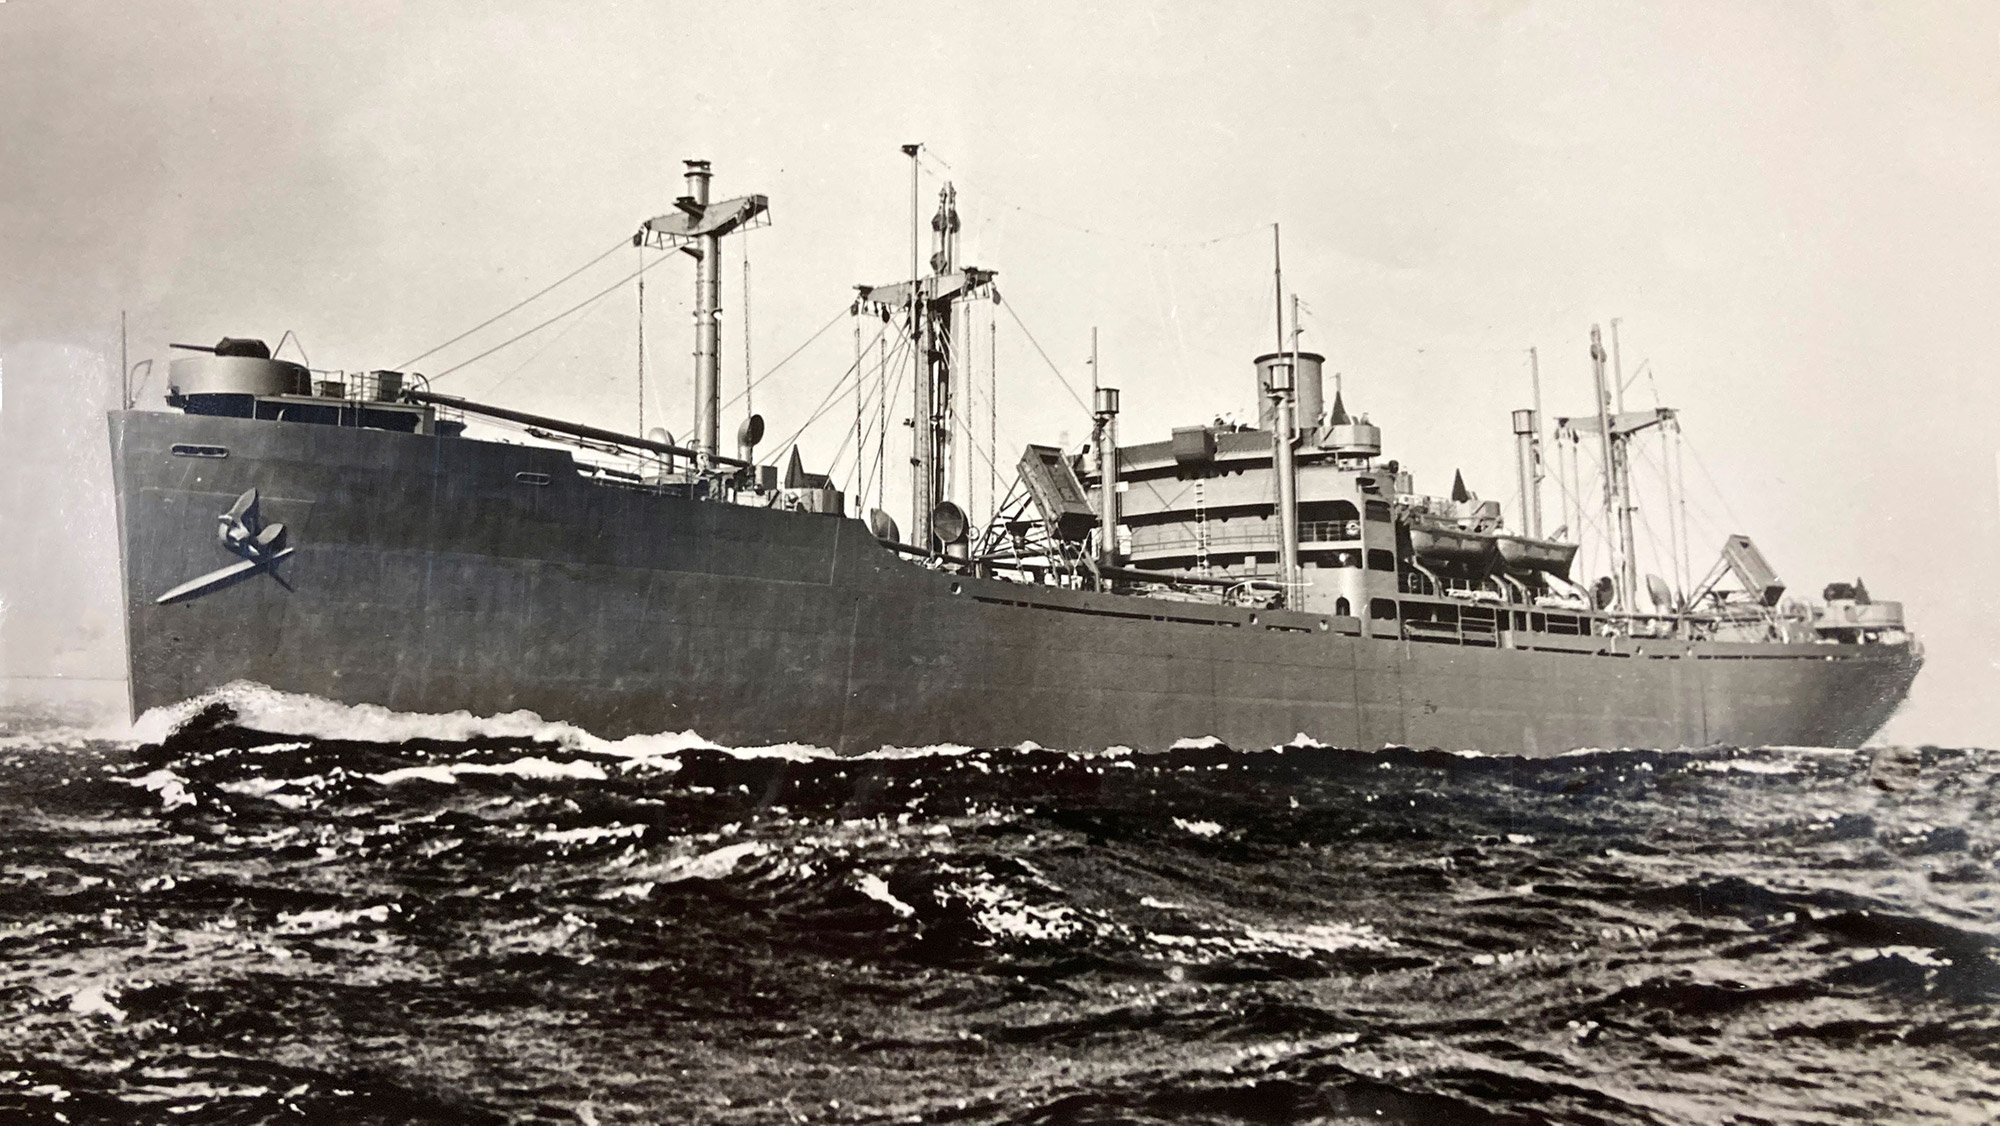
171 787
712 865
534 767
591 834
319 922
876 888
93 1000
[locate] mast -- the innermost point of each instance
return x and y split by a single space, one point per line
1628 554
992 415
938 351
1536 472
858 481
696 228
926 302
921 470
1284 385
1104 439
642 340
1524 471
707 326
1604 445
1278 279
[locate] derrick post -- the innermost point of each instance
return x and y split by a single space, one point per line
1283 379
1525 457
1105 442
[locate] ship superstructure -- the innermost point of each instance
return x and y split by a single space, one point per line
1254 583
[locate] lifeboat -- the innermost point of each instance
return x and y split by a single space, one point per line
1522 554
1444 545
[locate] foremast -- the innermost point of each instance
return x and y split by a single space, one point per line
696 228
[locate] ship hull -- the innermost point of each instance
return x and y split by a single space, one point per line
441 574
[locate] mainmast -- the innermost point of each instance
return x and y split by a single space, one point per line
1605 444
1614 428
921 470
926 303
697 229
1628 555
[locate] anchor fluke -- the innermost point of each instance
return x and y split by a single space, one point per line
241 531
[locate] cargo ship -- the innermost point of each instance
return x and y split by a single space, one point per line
1255 584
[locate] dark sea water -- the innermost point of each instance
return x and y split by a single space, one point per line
287 911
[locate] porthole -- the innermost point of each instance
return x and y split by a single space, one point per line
958 588
184 449
537 479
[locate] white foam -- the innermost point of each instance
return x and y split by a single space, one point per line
876 888
591 834
1199 828
92 1000
708 865
534 767
171 787
1002 913
290 713
1322 937
319 922
1745 766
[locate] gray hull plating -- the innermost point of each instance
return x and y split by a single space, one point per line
437 574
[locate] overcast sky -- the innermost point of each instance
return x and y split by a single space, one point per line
1793 209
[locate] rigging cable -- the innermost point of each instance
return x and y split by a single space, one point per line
1009 306
860 443
544 350
840 451
944 170
818 411
882 431
821 331
515 306
591 300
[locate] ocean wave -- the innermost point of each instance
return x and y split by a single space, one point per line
285 907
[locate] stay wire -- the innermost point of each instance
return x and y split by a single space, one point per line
615 248
831 399
831 395
585 303
743 394
1009 306
929 156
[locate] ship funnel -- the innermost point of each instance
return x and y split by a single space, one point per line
1306 390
